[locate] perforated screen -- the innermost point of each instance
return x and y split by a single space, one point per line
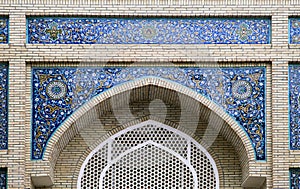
149 155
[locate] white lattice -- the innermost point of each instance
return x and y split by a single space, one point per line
149 155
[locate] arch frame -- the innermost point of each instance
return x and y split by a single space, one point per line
130 85
73 125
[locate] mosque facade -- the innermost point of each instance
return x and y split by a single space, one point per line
150 94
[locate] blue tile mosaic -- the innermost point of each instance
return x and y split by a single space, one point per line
3 30
3 178
3 106
294 30
51 30
58 92
295 178
294 106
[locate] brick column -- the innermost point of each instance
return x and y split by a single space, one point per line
16 131
280 126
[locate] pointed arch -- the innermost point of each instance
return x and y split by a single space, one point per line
72 126
68 125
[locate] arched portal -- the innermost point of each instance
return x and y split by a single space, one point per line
73 124
149 155
64 149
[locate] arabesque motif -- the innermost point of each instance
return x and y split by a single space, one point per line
294 178
294 30
3 178
3 30
294 106
52 30
3 105
239 91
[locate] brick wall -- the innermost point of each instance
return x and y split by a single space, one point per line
22 56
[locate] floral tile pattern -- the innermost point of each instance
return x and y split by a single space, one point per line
294 178
58 92
3 30
3 106
52 30
294 30
3 178
294 104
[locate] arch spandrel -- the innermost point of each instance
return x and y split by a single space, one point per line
241 80
68 127
240 143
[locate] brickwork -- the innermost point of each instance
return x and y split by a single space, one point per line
224 154
276 56
140 111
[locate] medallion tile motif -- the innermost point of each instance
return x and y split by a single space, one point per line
294 106
3 30
3 106
58 92
294 30
295 178
3 178
47 30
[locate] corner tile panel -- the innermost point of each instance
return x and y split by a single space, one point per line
3 106
52 30
58 92
3 178
294 30
3 30
295 178
294 106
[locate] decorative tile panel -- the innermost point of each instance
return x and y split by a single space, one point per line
3 30
3 106
58 92
3 178
294 30
52 30
295 178
294 106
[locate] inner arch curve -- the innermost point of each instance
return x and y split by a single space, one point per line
72 125
238 92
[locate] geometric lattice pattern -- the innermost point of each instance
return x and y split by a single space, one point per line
3 178
294 106
3 30
51 30
152 167
149 155
58 92
294 30
3 106
294 178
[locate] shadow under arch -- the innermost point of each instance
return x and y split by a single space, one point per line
73 124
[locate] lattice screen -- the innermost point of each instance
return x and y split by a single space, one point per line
149 155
